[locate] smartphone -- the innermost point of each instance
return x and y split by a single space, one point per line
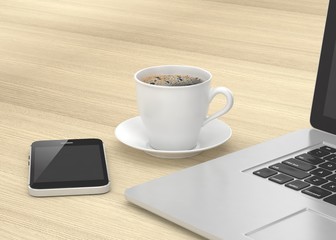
67 167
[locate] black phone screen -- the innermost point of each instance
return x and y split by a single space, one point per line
68 163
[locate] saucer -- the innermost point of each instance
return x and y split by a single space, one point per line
132 133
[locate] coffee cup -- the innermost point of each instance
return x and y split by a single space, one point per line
174 115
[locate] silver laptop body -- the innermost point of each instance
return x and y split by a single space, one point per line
282 189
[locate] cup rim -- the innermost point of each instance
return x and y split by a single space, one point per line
172 87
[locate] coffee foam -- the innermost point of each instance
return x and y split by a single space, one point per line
171 80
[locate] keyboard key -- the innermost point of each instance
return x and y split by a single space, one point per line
331 158
328 165
329 149
265 172
316 180
332 178
299 164
294 172
316 192
320 172
281 178
331 186
309 159
331 199
319 153
297 185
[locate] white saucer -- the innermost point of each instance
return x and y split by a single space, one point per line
132 133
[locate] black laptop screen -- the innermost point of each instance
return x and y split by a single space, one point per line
323 114
330 104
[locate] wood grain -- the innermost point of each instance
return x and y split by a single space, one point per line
66 71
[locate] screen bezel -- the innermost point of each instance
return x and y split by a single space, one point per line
68 184
317 118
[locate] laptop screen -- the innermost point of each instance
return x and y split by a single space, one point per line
323 115
330 104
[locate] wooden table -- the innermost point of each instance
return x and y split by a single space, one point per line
66 71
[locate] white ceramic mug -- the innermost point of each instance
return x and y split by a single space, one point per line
174 115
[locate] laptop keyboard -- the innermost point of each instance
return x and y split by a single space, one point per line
313 173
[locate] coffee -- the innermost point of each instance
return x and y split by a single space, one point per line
173 116
171 80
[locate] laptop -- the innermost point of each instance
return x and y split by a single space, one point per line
280 189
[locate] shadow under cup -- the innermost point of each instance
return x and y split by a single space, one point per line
173 115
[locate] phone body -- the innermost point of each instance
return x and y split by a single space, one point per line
67 167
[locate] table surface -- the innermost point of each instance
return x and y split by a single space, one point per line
66 71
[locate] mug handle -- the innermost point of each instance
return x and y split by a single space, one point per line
229 102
